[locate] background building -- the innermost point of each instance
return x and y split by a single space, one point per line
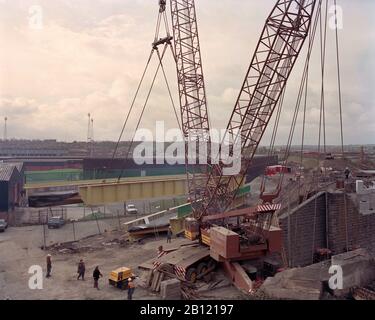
11 186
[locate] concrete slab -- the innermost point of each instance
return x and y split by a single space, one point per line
291 285
307 283
358 269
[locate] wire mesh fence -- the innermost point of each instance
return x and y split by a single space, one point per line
80 222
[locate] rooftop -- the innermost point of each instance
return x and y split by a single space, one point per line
7 169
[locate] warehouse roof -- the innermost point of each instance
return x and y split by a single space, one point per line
7 169
18 165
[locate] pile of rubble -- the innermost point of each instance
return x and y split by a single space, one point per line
363 294
88 244
170 289
72 247
163 280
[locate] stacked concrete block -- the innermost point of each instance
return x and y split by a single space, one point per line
170 289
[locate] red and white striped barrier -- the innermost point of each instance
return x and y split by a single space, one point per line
180 271
268 207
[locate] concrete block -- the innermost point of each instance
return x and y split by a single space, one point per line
358 269
274 288
295 284
170 289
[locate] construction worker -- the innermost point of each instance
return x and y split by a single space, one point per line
169 235
49 265
347 173
96 275
81 270
131 288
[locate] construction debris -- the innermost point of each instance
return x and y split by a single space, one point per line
363 294
89 244
72 247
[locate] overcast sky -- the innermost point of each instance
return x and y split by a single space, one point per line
89 55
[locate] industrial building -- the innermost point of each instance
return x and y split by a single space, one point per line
12 179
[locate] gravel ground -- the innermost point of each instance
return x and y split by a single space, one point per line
20 249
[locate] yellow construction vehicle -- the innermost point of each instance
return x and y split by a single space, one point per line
119 278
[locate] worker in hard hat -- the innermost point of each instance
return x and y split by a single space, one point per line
347 173
96 275
131 288
81 270
169 235
49 265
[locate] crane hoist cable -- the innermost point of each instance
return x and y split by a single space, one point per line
166 41
160 66
323 40
339 77
169 89
300 170
132 105
341 119
323 46
157 31
271 151
281 41
322 121
312 33
142 113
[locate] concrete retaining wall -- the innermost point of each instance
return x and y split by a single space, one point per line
349 227
323 219
300 240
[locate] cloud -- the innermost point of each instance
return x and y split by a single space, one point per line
90 55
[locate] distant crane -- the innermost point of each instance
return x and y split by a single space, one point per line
90 135
92 130
5 129
88 127
92 138
362 155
